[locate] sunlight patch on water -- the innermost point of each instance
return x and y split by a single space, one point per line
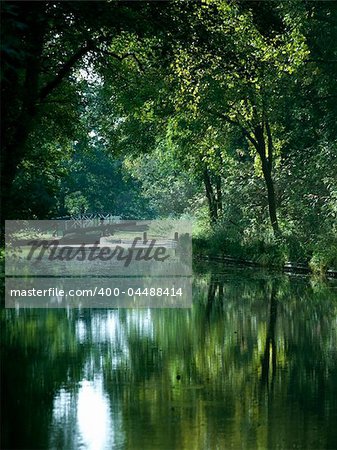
93 416
87 417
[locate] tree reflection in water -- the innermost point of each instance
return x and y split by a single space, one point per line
251 364
270 347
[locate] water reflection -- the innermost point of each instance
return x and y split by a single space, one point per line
251 365
84 419
270 346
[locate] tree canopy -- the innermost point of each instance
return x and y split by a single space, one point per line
222 110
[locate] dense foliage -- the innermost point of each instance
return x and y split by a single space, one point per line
223 111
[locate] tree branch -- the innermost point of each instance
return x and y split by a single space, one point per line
237 124
124 56
68 65
63 72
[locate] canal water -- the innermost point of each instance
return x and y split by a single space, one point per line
252 365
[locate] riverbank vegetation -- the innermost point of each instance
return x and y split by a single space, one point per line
222 112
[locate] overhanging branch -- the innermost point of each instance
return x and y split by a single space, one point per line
69 64
237 124
63 72
124 56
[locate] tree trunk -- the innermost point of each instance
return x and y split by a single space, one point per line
219 195
267 167
212 201
267 173
14 145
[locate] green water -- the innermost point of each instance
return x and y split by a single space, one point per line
253 364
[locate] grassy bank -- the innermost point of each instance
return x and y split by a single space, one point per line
267 251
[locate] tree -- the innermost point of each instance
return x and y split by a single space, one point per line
231 73
42 44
